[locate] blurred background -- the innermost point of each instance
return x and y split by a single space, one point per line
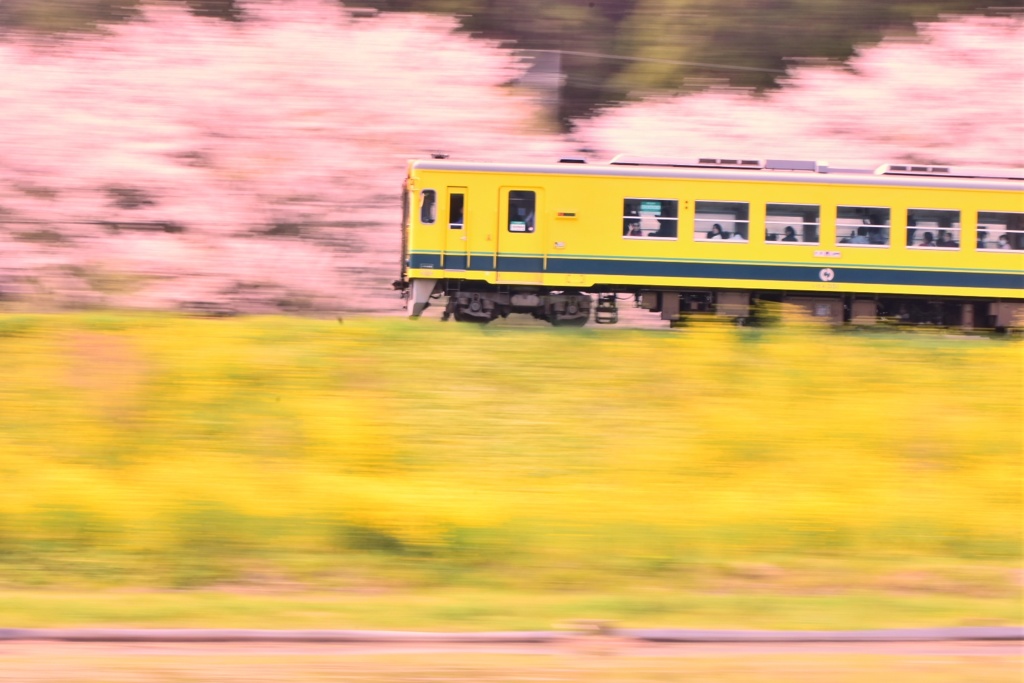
224 157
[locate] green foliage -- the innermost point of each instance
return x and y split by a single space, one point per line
617 49
612 49
60 16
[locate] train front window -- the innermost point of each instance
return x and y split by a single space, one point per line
862 226
722 221
1000 230
650 218
792 223
933 228
428 206
522 206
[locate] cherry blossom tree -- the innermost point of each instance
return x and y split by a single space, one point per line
952 95
205 156
180 161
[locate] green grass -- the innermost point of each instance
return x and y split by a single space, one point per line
469 609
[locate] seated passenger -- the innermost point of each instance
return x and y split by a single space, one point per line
928 240
946 240
982 237
1004 242
665 229
790 235
631 227
715 233
737 237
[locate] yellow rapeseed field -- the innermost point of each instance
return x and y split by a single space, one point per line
145 444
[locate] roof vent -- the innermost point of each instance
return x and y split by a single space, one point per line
730 163
572 160
438 155
950 171
628 160
915 170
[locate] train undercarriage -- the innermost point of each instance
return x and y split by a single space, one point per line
482 303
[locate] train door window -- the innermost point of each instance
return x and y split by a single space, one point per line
792 223
428 206
522 207
650 218
862 226
722 221
933 228
456 210
1000 230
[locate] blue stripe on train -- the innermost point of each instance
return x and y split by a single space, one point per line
733 271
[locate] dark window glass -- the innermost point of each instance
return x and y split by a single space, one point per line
456 210
522 207
428 206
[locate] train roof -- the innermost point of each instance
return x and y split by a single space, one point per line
741 169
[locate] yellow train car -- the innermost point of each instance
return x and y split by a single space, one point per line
564 241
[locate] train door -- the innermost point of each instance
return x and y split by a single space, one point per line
456 242
522 252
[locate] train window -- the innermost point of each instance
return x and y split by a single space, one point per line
933 228
456 205
522 206
1000 230
650 218
722 221
428 206
792 223
865 226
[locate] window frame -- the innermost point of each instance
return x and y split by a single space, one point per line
803 225
838 225
529 225
1016 232
700 234
627 218
428 206
913 229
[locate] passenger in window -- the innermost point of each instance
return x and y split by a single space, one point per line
1004 242
946 240
849 239
982 237
737 237
716 232
790 235
665 229
771 236
928 240
631 227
